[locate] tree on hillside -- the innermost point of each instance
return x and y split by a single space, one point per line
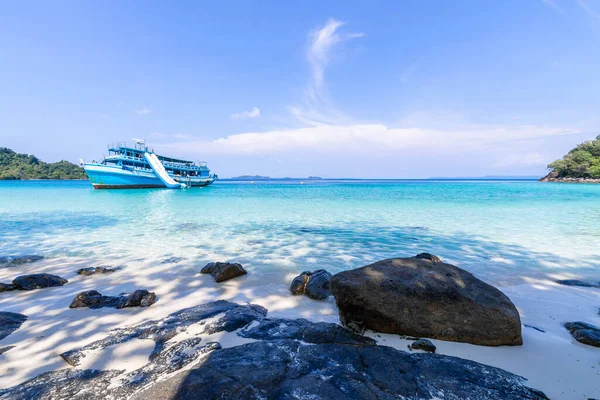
16 166
581 162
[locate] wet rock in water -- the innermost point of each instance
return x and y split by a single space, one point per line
584 333
172 260
423 344
428 256
5 349
576 282
316 284
102 269
299 283
7 287
7 261
273 366
38 281
419 297
223 271
139 298
10 322
94 299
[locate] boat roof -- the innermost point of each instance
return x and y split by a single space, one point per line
164 158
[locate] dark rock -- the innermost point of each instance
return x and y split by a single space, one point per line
6 287
428 256
316 284
223 271
94 299
19 260
423 344
319 285
284 369
271 367
38 281
303 330
584 333
411 296
139 298
5 349
233 317
299 283
10 322
103 269
576 282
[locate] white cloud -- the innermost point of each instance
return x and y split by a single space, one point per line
143 111
318 109
370 140
254 113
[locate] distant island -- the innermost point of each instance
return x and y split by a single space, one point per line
266 178
17 166
581 164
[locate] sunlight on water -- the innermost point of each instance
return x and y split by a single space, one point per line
500 231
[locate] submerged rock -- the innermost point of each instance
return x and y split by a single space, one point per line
19 260
172 260
577 282
94 299
316 284
584 333
420 297
423 344
275 366
38 281
102 269
10 322
223 271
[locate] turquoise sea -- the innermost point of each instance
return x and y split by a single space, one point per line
502 231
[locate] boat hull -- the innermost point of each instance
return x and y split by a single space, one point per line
115 177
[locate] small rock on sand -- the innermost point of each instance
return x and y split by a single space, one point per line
584 333
223 271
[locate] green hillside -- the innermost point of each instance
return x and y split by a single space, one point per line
581 162
15 166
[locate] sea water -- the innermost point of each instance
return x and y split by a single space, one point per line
502 231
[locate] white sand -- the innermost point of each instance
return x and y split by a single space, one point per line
552 361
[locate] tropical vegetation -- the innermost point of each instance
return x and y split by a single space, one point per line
15 166
581 162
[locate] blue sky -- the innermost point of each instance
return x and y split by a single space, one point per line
336 89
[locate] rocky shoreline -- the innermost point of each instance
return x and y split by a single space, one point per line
225 349
552 177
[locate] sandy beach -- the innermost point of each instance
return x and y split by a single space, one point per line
549 358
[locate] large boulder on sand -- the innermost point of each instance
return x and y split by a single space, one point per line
425 298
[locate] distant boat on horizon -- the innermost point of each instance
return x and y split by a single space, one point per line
137 167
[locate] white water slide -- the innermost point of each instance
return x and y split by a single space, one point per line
161 172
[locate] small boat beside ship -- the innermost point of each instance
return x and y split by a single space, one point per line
136 166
